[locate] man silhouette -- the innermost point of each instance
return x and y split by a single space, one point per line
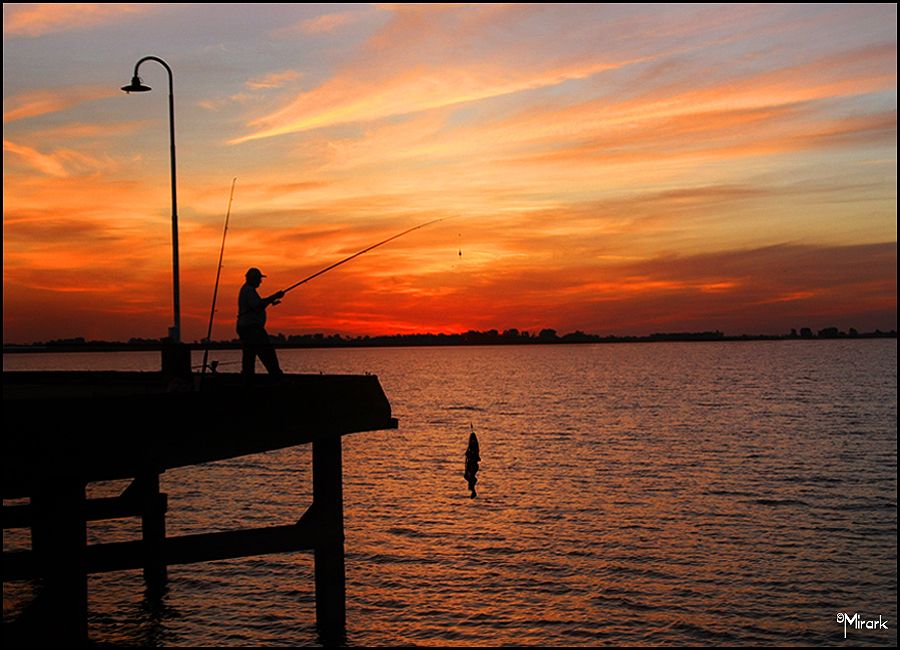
251 326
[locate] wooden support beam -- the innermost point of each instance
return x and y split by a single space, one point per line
238 543
328 515
206 547
22 515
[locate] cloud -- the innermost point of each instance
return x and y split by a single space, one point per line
60 163
432 57
37 19
761 290
513 153
328 23
722 135
88 131
46 164
666 105
256 87
790 108
273 80
219 103
41 102
346 100
324 24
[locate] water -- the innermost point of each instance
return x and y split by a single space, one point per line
649 494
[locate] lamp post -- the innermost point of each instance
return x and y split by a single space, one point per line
137 86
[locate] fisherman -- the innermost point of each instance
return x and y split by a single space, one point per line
472 460
251 327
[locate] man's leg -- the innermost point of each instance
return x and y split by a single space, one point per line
269 358
248 360
248 355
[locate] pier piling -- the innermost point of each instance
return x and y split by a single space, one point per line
59 531
328 506
153 507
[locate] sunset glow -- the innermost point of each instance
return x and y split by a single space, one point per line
616 169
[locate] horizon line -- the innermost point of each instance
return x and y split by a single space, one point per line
469 337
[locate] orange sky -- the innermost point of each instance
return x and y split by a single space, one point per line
618 169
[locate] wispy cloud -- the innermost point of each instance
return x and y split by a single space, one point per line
87 131
255 89
324 24
668 130
44 163
425 58
345 101
39 19
42 102
273 80
60 162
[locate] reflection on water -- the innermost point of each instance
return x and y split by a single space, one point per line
664 494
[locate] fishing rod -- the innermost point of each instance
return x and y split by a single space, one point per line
212 311
355 255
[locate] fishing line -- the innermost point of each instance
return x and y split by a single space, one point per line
363 251
354 256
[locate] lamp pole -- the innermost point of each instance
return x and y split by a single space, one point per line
138 86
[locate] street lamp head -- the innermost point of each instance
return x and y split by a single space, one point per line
136 86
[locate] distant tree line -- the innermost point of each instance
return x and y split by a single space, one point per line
835 333
510 336
514 336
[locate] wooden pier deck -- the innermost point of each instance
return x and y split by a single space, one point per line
63 430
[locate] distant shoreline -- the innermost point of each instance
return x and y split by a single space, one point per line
489 338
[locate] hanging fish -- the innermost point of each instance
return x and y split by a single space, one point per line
473 457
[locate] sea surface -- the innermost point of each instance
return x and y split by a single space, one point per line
647 494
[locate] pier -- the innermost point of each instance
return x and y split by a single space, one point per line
64 430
